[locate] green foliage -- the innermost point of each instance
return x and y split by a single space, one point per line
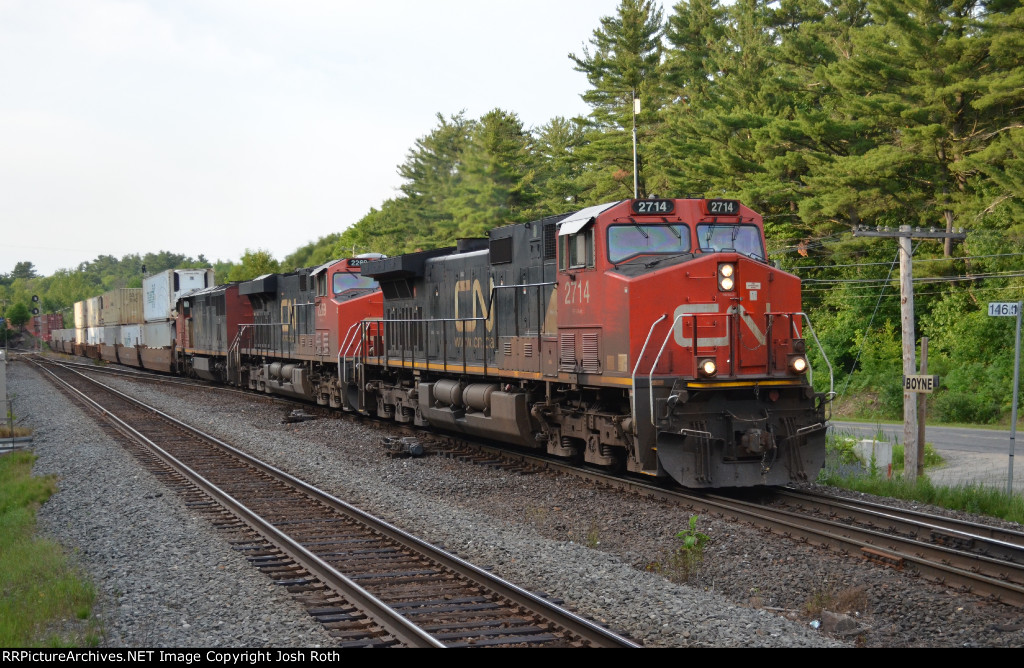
18 314
684 560
253 264
623 62
40 590
973 498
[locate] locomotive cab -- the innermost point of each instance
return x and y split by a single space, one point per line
708 335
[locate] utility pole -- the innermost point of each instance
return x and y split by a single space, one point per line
911 446
636 162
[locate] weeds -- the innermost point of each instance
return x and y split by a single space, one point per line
593 537
852 601
972 498
682 562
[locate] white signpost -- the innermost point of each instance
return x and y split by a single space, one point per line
999 309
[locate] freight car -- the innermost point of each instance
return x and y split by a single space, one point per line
650 335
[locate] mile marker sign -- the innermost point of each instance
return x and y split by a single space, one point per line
1003 308
1011 309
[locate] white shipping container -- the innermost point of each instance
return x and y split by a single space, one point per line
81 334
80 310
92 315
158 334
131 335
111 334
94 335
160 292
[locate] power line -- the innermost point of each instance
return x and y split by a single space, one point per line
885 264
920 279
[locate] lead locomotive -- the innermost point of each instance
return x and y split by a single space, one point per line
650 334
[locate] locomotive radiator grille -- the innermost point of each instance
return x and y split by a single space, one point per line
567 351
591 358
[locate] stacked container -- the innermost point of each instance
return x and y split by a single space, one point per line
118 308
160 294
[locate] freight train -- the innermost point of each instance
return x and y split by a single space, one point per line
646 335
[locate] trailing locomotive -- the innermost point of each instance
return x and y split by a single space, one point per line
645 335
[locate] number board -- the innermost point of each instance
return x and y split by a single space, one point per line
653 207
1003 308
360 261
722 207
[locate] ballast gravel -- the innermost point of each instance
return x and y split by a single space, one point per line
167 579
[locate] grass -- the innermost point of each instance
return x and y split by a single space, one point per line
43 601
5 431
972 498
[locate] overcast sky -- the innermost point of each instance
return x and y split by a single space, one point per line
212 126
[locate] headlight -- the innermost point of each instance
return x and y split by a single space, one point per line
798 364
707 368
726 280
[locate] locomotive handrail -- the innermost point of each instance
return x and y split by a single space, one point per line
632 394
540 319
650 377
385 321
831 377
235 351
342 365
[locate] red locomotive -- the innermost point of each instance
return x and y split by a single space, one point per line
650 335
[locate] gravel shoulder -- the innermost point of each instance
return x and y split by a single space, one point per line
166 579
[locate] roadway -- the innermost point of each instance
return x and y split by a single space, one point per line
973 456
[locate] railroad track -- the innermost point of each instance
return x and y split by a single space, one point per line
368 582
967 556
970 557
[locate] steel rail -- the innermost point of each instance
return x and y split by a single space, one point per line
580 626
1004 544
1002 582
388 619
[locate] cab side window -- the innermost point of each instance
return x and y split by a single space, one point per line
576 251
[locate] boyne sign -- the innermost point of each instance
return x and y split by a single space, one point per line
924 384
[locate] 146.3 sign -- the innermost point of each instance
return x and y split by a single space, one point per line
1003 308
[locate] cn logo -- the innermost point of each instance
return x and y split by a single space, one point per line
697 314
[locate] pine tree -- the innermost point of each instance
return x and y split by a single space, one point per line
907 97
496 184
557 148
625 62
997 170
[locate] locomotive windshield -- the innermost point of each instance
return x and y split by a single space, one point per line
745 239
626 241
343 281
